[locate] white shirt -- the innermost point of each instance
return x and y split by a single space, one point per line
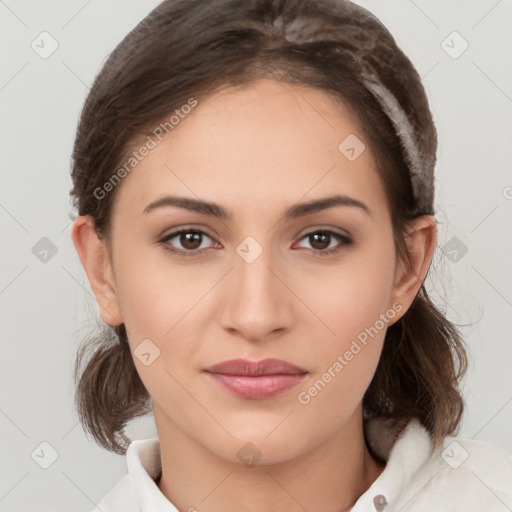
462 476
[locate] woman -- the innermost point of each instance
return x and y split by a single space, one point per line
254 184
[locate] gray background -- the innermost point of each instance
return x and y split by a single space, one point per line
45 298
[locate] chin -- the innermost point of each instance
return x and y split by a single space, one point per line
262 446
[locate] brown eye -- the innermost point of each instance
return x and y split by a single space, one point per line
187 242
321 241
191 240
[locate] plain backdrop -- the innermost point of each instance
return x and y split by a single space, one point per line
45 299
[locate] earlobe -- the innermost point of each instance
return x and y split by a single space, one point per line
93 254
421 241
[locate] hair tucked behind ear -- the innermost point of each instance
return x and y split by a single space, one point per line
109 391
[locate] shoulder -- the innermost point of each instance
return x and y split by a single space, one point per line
462 474
473 475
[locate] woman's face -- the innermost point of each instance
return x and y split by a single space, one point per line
254 283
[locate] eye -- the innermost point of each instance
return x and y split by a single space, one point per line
321 241
190 240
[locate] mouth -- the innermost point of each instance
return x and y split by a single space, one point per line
257 380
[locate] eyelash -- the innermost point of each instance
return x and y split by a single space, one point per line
346 241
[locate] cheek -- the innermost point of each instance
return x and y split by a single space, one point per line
155 293
168 303
156 300
351 296
354 302
345 362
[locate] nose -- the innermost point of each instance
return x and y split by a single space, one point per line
257 304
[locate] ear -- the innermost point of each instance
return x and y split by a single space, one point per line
421 239
93 254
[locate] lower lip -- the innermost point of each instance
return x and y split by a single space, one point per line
256 388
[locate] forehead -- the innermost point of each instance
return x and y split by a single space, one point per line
259 144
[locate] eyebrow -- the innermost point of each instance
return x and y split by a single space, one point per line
294 212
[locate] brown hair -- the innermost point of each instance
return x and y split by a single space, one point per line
188 49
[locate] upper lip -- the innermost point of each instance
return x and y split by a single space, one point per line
254 368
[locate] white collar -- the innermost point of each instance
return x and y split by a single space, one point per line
405 456
144 466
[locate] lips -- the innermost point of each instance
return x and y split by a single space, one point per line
256 368
256 379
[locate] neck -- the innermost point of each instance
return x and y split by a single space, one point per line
328 478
